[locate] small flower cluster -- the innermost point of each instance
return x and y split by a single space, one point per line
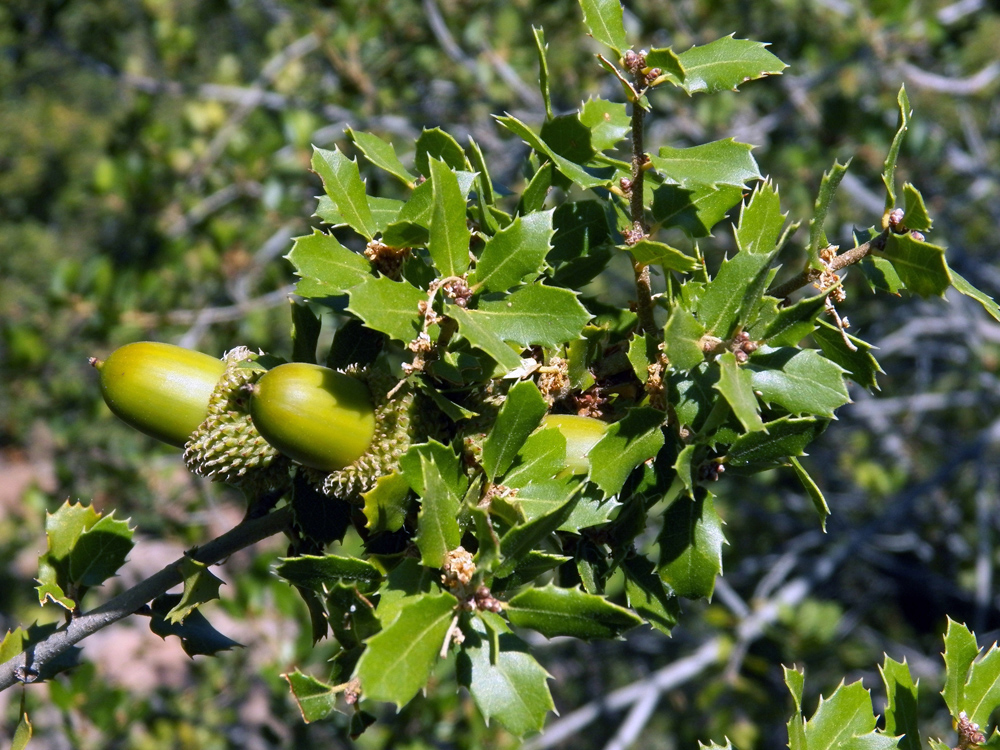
743 346
387 260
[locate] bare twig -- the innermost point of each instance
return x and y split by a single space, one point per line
507 74
294 51
669 677
635 721
955 86
246 533
212 203
211 314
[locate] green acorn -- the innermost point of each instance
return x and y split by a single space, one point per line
581 433
345 429
159 389
191 400
321 418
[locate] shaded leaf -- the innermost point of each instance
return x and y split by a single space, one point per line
568 137
793 323
802 381
573 171
316 700
813 490
403 585
695 208
196 633
880 275
320 571
480 166
691 546
554 611
507 684
920 265
647 595
517 543
434 143
784 437
736 386
901 706
580 248
305 332
725 162
200 586
537 190
859 365
627 443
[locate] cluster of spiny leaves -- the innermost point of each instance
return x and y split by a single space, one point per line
480 299
846 718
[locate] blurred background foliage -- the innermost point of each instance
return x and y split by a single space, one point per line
153 168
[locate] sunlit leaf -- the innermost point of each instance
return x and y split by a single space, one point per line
724 64
398 660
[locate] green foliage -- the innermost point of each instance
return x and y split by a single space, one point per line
492 306
84 549
845 719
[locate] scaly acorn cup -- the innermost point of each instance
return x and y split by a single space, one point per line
226 447
318 417
159 389
581 433
402 417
